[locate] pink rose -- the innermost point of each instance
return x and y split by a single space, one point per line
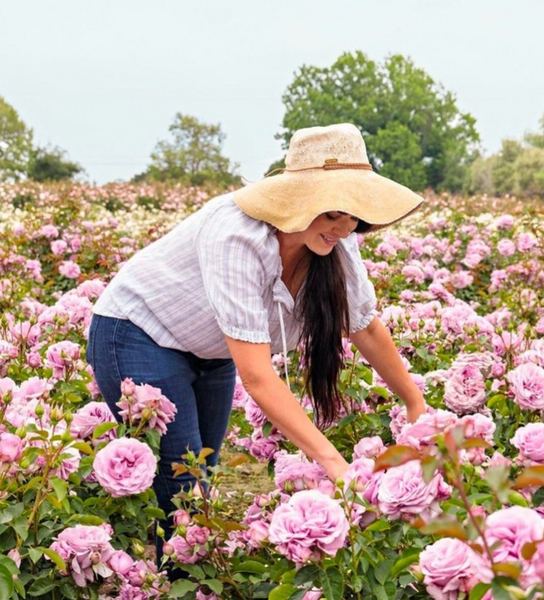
464 391
86 549
294 472
191 547
506 247
254 414
424 431
11 447
69 269
509 529
309 525
240 394
404 493
369 447
149 403
527 385
124 467
87 419
58 247
62 357
121 562
529 440
450 566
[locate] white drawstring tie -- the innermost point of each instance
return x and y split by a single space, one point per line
284 344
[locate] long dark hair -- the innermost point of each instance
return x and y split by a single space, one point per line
323 308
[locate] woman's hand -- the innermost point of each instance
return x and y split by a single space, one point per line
281 407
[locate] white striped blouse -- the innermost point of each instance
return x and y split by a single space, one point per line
219 272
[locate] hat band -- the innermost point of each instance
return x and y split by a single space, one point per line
330 165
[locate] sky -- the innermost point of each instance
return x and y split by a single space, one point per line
103 79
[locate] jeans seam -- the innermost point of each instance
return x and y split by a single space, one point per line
113 351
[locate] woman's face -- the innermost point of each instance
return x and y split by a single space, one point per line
325 230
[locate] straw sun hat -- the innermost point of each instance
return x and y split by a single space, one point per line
326 169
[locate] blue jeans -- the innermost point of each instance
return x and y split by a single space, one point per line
201 389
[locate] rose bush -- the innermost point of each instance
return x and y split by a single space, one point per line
449 506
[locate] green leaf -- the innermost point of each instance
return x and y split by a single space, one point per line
307 574
60 488
332 584
282 592
479 591
181 587
251 566
54 556
87 519
407 558
380 391
34 554
6 583
41 586
103 428
498 591
154 512
379 525
215 585
83 447
382 571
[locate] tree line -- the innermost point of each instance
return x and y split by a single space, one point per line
414 131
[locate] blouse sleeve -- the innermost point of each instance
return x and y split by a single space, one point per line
233 275
361 294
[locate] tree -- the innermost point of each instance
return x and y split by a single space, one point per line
15 144
504 168
412 127
536 139
51 165
194 154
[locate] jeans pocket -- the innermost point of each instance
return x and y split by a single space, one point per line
89 352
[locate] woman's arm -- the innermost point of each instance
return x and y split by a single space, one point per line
281 407
375 344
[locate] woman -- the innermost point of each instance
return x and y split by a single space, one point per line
252 273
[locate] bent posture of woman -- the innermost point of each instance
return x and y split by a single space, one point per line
256 272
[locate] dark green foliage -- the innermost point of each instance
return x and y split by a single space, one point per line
412 127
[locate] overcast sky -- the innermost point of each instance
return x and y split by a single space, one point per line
103 79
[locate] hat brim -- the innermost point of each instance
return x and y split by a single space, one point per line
292 200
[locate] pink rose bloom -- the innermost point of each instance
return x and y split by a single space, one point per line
461 279
313 595
308 526
538 561
87 419
527 385
91 288
294 472
69 269
506 247
49 231
240 394
58 247
529 440
11 448
450 566
32 389
508 530
148 403
362 478
264 447
254 414
256 533
69 463
505 222
369 447
413 274
424 431
121 562
499 460
526 242
62 357
200 595
404 493
124 467
86 549
191 547
464 391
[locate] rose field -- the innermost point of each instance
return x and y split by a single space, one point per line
450 507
